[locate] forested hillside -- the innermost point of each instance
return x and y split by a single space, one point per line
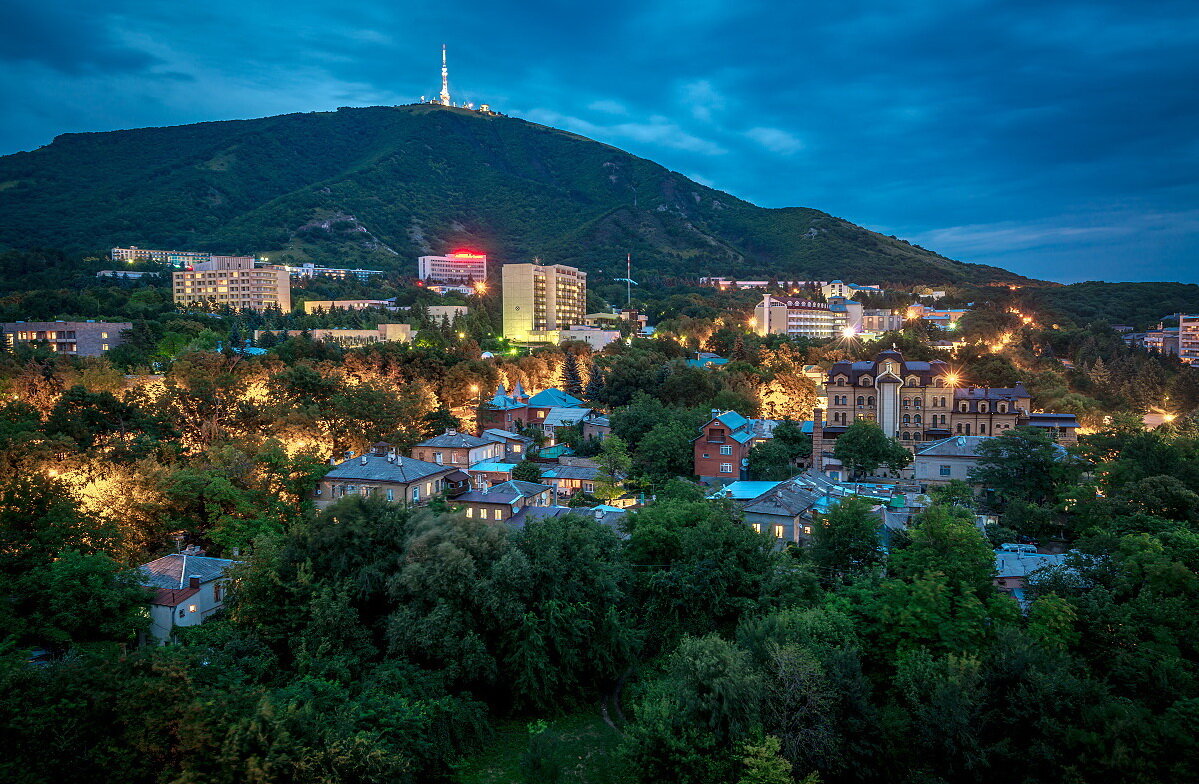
379 186
1139 305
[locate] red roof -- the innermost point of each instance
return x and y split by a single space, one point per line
173 597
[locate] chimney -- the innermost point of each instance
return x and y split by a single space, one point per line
362 460
193 581
451 431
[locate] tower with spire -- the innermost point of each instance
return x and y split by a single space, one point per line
444 98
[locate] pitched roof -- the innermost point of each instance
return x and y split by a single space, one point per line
990 393
743 490
455 439
553 397
494 466
788 499
504 493
571 472
954 446
559 416
377 468
496 434
731 419
172 571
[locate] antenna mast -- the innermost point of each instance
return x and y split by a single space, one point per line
628 281
444 100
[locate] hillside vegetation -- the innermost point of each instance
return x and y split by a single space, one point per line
1139 305
382 185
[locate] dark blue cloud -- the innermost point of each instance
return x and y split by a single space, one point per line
1056 139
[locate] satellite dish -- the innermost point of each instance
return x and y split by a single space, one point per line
745 462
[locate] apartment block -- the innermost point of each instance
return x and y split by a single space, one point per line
1188 338
233 281
176 258
75 338
539 301
458 267
799 318
338 273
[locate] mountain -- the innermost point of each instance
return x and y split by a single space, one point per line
379 186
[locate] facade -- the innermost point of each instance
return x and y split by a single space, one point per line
578 476
880 320
945 319
1013 565
799 318
503 502
318 305
950 458
784 511
127 274
918 402
382 473
233 281
313 271
188 589
515 446
74 338
447 313
458 449
721 453
384 333
511 412
459 267
176 258
541 300
1188 338
594 337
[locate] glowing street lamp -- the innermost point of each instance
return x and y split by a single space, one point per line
849 332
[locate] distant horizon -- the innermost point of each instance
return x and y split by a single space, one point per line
1051 140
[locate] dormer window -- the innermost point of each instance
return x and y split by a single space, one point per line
913 381
938 381
982 407
964 407
841 380
1003 408
866 381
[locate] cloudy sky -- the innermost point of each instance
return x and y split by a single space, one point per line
1059 139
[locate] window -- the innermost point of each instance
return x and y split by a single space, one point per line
945 470
982 407
964 407
483 514
778 532
907 401
1003 408
470 511
436 457
707 455
916 436
726 468
415 495
907 419
391 494
861 400
104 347
907 436
807 529
191 608
982 429
870 400
967 428
588 487
726 450
916 402
917 419
216 592
757 528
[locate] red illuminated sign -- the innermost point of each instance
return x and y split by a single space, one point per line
465 254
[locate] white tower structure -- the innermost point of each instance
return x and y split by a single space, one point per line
444 99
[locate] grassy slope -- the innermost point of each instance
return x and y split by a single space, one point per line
381 185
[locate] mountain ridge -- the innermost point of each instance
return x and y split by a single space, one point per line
380 185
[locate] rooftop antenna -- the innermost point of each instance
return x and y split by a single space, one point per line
444 99
628 281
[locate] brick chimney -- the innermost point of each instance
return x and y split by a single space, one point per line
193 581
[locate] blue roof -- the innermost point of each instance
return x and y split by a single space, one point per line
732 420
554 398
557 450
702 363
744 490
492 465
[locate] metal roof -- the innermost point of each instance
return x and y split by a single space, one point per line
454 439
377 468
172 571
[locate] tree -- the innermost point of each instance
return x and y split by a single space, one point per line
863 447
666 451
770 461
946 540
845 542
595 385
764 763
614 465
1022 464
527 471
571 383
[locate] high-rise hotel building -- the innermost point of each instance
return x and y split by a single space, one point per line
798 317
458 267
539 301
233 281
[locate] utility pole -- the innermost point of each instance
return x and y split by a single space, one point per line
628 281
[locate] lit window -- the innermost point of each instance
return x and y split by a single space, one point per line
470 512
807 529
778 532
191 608
757 528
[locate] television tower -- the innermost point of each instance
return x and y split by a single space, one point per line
444 99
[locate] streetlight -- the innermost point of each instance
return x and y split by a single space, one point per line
849 332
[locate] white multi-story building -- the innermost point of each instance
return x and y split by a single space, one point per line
799 318
1188 338
176 258
458 267
233 281
540 301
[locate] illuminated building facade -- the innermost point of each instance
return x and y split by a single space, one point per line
799 318
539 301
918 402
458 267
176 258
74 338
233 281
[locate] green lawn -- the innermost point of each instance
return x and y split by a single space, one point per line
583 747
